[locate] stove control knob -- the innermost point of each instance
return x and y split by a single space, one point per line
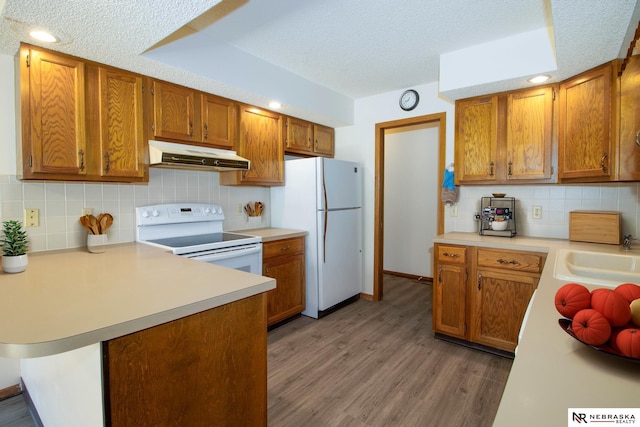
145 214
207 211
155 212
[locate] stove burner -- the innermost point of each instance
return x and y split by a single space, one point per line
200 239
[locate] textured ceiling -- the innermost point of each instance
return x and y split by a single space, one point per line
325 53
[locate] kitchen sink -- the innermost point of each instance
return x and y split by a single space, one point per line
597 268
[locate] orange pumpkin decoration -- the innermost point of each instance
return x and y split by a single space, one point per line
571 298
630 291
613 306
591 327
628 342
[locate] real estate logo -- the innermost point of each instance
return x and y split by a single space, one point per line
600 416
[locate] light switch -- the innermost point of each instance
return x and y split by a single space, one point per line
31 217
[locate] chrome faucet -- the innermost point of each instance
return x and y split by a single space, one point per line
626 241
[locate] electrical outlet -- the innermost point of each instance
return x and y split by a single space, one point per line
239 208
87 211
453 211
31 218
537 212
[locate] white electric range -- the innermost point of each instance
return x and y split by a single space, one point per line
194 230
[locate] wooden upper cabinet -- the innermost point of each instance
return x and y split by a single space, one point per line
529 139
476 140
324 141
308 139
53 113
219 121
298 136
585 137
175 114
629 153
119 125
261 142
505 138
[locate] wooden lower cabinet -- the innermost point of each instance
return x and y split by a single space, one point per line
207 369
283 260
449 291
486 307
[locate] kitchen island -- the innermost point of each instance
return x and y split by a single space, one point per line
551 371
186 338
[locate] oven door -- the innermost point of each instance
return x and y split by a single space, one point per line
246 257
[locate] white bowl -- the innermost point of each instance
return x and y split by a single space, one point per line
499 225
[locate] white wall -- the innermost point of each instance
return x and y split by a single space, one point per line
410 199
357 143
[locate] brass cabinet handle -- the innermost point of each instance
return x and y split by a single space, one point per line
451 255
513 261
206 131
479 281
440 275
602 165
509 168
81 154
285 248
107 163
191 129
491 165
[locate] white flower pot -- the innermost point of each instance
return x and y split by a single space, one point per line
14 264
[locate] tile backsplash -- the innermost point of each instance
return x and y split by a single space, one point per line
60 204
556 202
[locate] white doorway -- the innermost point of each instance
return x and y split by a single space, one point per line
410 208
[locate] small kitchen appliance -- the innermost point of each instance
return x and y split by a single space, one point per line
323 197
194 230
497 216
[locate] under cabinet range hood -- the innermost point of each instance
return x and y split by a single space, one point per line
182 156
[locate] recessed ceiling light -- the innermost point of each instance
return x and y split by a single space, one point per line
43 36
275 105
539 79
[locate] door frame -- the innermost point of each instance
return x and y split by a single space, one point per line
378 216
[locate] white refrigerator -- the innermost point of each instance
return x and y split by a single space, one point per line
324 197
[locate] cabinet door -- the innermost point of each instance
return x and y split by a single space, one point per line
529 134
53 102
260 141
121 134
449 304
174 109
499 301
288 298
219 121
299 136
584 139
629 155
476 139
323 144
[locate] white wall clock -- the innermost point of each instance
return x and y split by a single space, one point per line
409 100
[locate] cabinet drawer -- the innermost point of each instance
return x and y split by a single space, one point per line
452 254
521 261
282 247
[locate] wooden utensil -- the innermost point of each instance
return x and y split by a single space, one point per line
86 223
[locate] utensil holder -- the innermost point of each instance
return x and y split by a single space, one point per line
96 243
254 221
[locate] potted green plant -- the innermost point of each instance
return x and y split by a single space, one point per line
14 245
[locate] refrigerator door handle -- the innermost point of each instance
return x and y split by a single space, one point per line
326 218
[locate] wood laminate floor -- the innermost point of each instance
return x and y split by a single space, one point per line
378 364
368 364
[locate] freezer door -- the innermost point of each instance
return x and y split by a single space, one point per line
340 184
339 256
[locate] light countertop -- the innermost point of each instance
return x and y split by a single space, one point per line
71 298
551 371
271 234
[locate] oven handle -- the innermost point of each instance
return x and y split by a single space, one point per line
226 254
